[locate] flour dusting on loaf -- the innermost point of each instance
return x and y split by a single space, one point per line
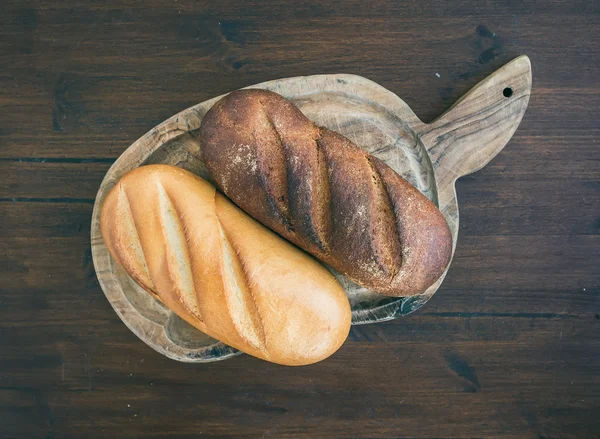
323 193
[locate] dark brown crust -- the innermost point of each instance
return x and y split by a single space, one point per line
323 193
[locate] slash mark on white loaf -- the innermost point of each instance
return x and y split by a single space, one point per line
238 296
129 241
177 256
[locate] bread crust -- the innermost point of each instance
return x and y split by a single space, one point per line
220 270
321 192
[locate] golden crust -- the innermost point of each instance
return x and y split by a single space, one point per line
222 271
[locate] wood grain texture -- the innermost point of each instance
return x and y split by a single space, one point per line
509 346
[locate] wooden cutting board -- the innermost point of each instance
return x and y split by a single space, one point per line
430 156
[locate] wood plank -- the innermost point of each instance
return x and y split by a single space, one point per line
98 105
481 281
502 200
47 219
51 178
308 399
508 348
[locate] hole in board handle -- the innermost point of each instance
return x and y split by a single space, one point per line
507 92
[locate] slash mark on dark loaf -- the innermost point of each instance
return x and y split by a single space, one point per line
280 205
396 250
322 224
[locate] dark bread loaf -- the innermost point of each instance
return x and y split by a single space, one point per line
318 190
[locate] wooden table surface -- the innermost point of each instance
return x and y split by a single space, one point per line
509 347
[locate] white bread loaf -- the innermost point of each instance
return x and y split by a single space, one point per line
222 271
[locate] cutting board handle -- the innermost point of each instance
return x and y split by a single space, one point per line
476 128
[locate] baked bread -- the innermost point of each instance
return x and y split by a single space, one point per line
222 271
318 190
